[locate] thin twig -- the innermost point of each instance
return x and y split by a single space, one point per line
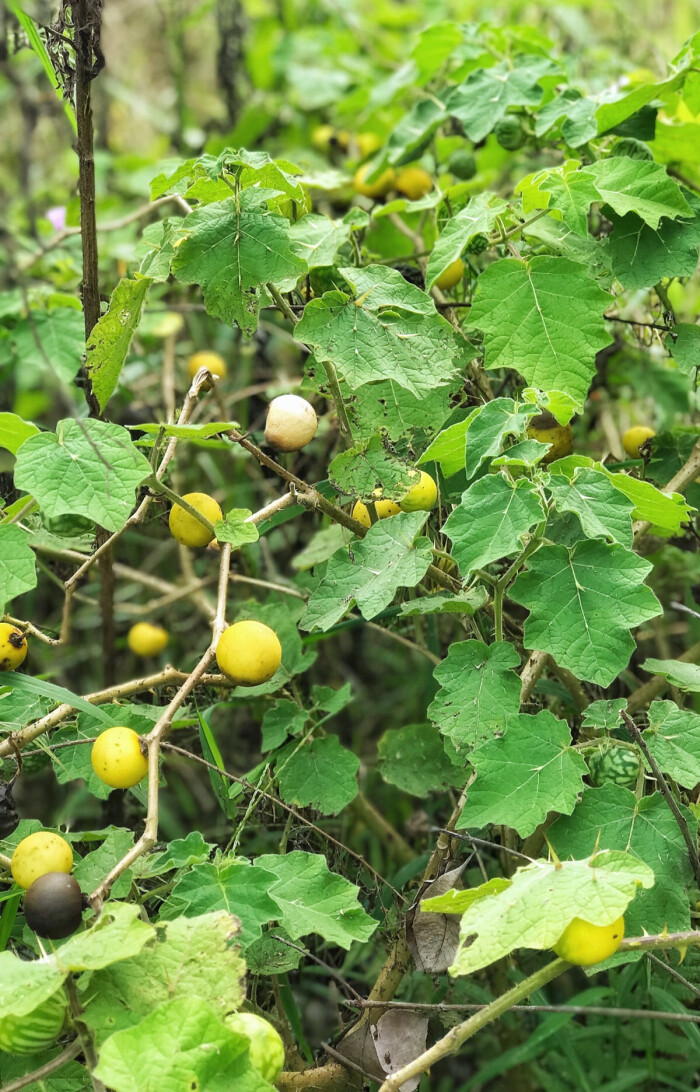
667 794
574 1010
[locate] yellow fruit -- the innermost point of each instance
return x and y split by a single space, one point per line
341 138
421 497
38 854
368 144
291 422
249 653
586 944
146 639
383 508
450 276
13 647
321 137
380 187
186 528
633 439
414 182
545 428
117 758
205 358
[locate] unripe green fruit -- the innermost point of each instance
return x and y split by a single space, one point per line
478 244
613 765
36 1031
510 133
266 1046
462 164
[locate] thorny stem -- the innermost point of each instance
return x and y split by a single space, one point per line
72 1051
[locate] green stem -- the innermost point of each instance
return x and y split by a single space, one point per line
498 593
451 1042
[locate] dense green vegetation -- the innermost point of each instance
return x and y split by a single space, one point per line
349 464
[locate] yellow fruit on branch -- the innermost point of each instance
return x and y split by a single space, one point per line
383 508
380 187
249 653
186 528
38 854
422 496
545 428
145 639
117 758
585 944
291 422
450 276
13 647
633 439
368 144
414 182
208 359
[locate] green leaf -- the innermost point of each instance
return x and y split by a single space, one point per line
180 1045
322 545
24 985
685 346
386 559
668 513
414 759
568 189
94 866
232 248
230 885
28 684
86 468
483 99
544 318
685 676
605 714
620 105
118 933
576 113
180 853
320 775
477 217
391 409
390 331
110 339
17 564
14 431
542 900
315 900
317 239
447 449
50 341
640 186
236 528
673 739
601 509
362 468
411 135
283 719
487 429
491 521
478 690
613 818
176 965
524 775
582 604
641 255
467 602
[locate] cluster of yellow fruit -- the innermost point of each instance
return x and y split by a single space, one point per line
420 497
412 182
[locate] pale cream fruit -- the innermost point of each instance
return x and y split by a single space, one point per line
291 422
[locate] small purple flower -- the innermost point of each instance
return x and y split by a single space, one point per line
57 217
